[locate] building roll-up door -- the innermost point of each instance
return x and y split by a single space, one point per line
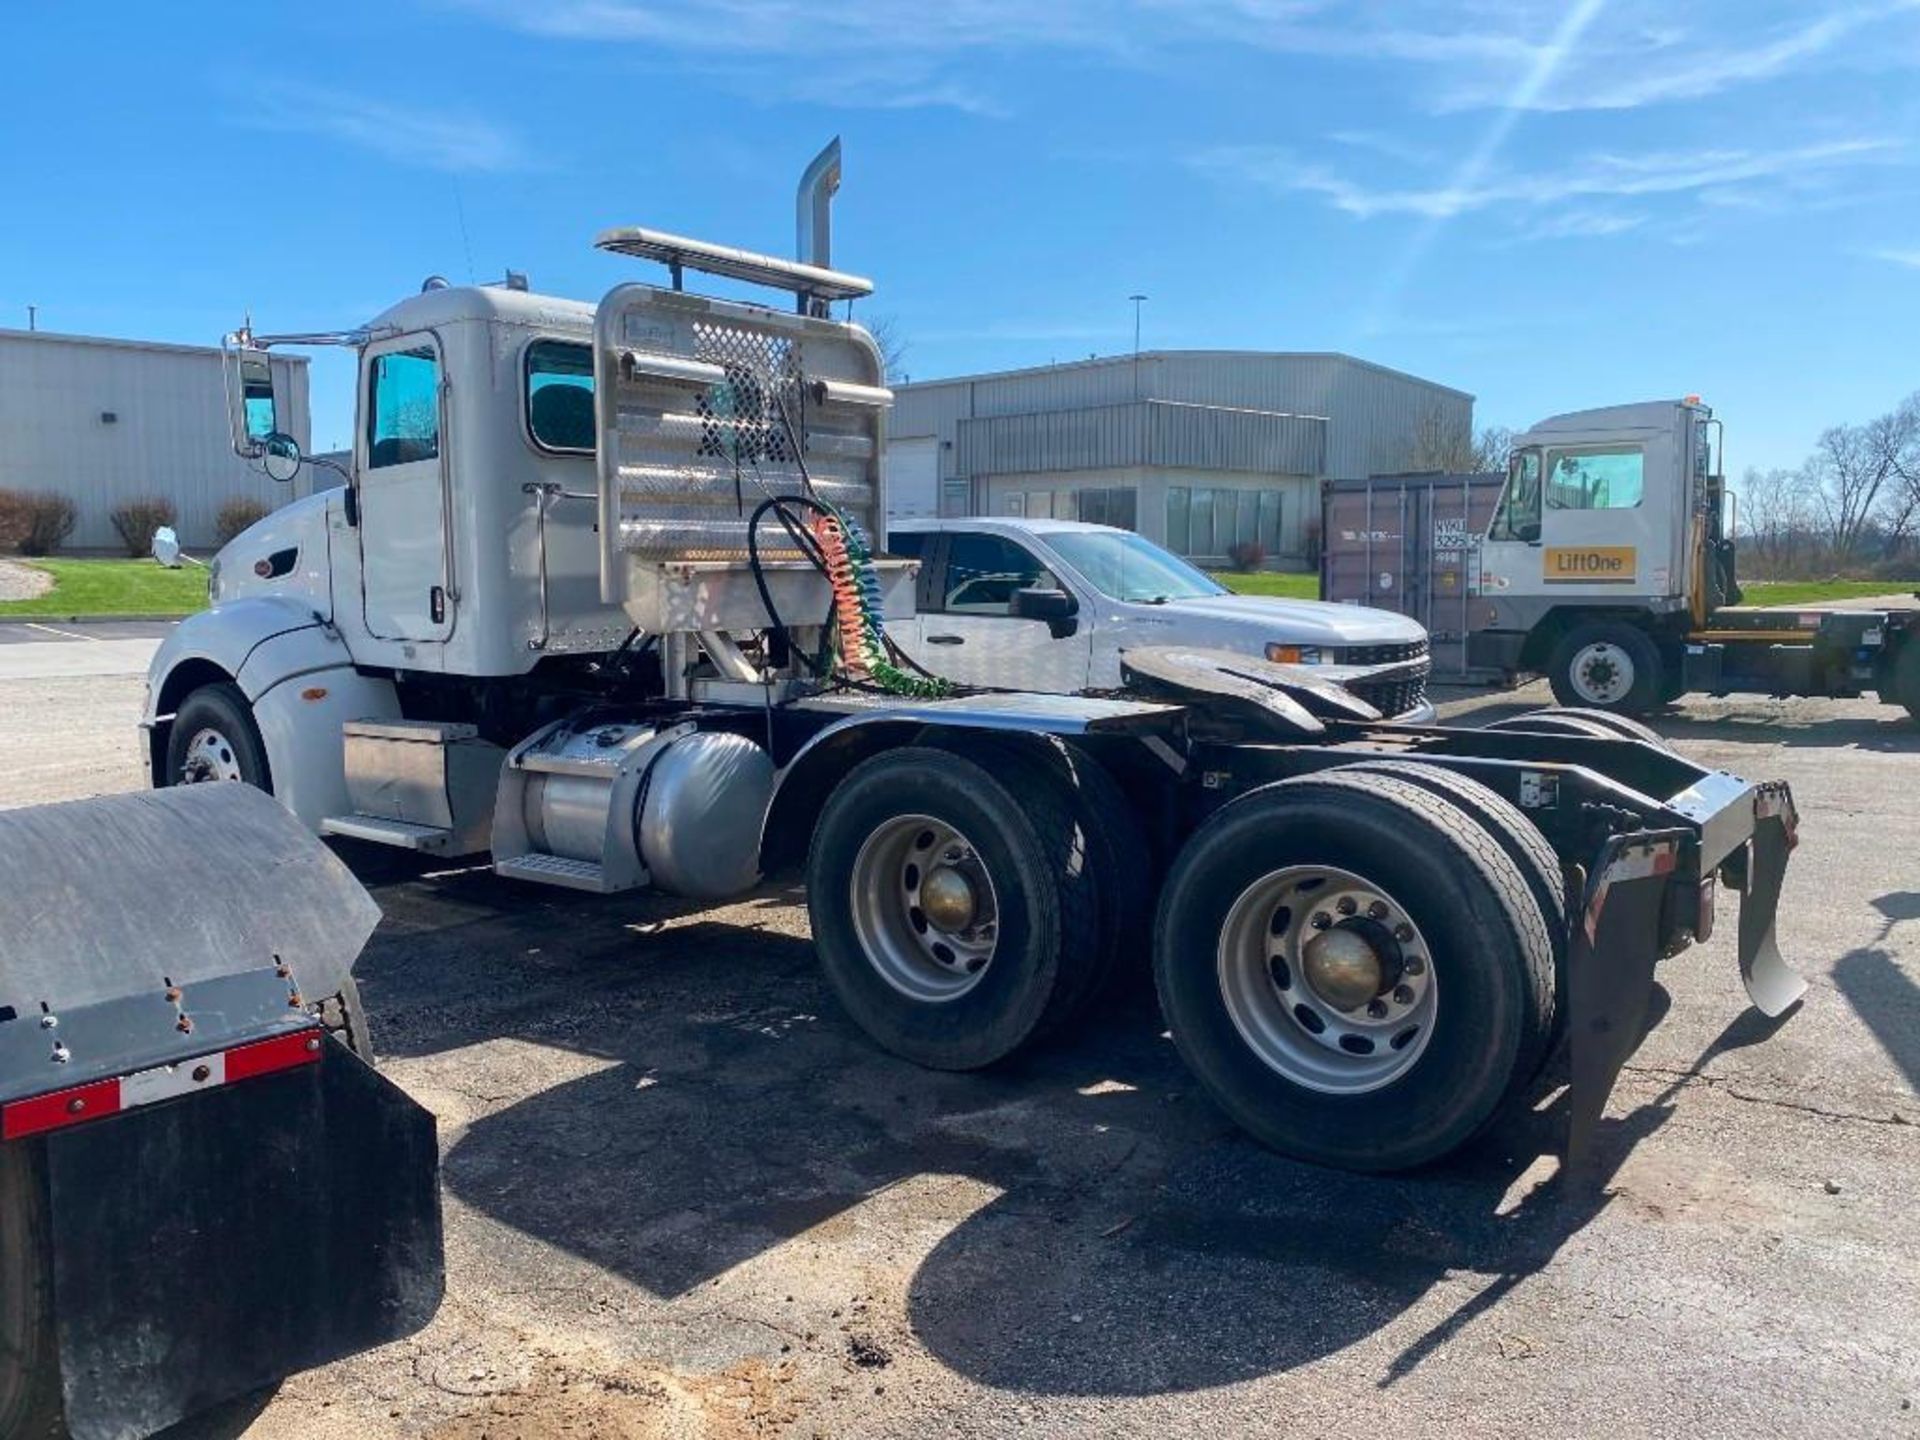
913 479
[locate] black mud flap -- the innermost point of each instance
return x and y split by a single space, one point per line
1616 944
207 1247
1772 984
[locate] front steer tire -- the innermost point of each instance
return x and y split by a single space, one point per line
1491 957
1046 915
234 750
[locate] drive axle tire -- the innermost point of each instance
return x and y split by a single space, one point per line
214 738
1906 675
1607 665
1576 720
1356 970
948 913
29 1364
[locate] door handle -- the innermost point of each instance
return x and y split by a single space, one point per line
946 639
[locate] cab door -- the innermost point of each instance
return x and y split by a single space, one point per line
402 492
1573 522
970 634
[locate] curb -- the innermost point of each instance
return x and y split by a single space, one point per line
139 619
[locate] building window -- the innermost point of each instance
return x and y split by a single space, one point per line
1117 506
1040 504
1202 539
1180 519
1270 521
404 423
560 396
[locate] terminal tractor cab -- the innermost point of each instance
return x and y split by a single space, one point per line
1610 566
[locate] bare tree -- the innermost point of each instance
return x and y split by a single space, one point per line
1492 448
885 330
1860 478
1774 513
1451 447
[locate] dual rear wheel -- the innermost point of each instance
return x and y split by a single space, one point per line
1358 965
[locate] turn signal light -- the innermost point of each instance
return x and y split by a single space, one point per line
1294 654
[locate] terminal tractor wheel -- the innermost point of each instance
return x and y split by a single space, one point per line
1607 665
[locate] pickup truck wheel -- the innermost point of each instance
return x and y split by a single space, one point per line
1607 665
1354 968
214 738
940 909
29 1365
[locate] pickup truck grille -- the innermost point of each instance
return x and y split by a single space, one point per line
1392 697
1382 654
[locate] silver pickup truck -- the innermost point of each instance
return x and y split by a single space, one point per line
1051 604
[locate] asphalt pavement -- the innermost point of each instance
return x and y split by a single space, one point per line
686 1198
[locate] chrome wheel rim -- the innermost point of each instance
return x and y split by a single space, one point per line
1603 673
210 756
1328 980
924 908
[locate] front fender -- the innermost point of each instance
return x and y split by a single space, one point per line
221 639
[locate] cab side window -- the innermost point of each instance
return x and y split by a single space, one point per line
404 408
1594 479
984 571
560 396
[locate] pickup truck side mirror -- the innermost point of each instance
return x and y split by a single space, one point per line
1056 607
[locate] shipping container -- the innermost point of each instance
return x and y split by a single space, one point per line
1410 543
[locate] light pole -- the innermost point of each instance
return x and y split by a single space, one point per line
1138 301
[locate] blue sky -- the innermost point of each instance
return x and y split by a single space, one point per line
1550 203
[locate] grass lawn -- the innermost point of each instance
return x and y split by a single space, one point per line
1816 592
1269 582
113 587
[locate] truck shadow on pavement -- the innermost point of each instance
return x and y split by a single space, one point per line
1106 1230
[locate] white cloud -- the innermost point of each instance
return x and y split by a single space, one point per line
1908 258
434 140
1597 177
1582 225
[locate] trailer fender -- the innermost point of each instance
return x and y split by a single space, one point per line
802 786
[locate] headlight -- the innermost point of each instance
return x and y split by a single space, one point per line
1294 654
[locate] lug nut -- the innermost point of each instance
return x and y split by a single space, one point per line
1403 933
1413 965
49 1022
1376 1011
1377 910
1402 995
1346 905
1321 920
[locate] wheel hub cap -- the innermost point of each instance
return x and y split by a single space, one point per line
1328 979
947 898
924 908
1602 673
1343 967
209 757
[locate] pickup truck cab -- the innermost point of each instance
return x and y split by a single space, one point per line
1052 604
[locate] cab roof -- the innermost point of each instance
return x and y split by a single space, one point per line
454 303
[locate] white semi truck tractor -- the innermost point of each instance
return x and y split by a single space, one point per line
601 600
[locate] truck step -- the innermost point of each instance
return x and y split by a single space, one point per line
402 834
558 870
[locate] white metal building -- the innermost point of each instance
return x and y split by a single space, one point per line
104 421
1197 449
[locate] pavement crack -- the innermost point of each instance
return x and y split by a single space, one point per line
1747 1097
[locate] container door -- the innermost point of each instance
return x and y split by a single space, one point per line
913 479
403 538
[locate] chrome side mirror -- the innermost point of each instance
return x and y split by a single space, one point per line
252 402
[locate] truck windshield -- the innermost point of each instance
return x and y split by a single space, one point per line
1126 567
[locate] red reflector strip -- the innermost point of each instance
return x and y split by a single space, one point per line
282 1053
61 1108
111 1097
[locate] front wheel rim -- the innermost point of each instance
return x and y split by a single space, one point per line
1293 964
1603 673
924 908
209 756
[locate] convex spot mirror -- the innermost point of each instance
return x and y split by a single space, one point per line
280 456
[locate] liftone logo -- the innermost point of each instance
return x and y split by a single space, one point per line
1589 564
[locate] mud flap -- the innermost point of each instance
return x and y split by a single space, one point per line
1616 945
204 1248
1772 984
